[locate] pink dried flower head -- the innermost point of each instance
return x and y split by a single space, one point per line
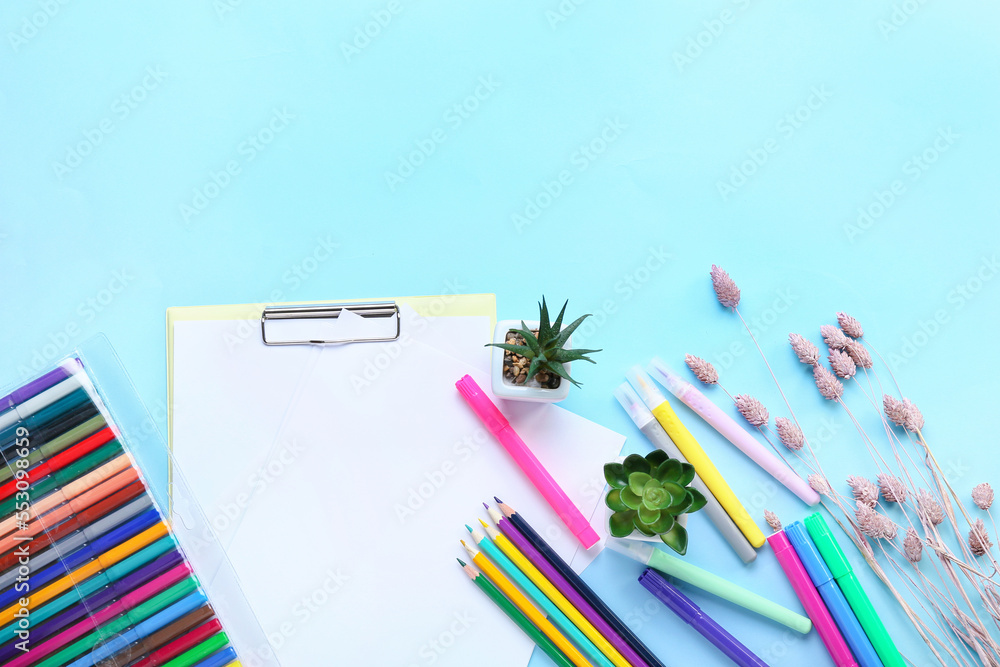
913 548
893 488
829 386
859 354
819 484
772 520
850 326
842 364
725 288
804 349
873 524
894 410
913 420
864 490
929 508
979 539
752 410
982 495
702 369
834 337
789 434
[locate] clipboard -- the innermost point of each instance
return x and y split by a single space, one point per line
434 459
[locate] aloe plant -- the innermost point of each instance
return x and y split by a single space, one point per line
547 351
648 493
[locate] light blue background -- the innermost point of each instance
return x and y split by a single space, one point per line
105 246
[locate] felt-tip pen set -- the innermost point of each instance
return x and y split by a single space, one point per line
90 571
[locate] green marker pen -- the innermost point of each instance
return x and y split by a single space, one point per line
678 568
843 573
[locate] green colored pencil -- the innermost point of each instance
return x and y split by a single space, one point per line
200 652
515 615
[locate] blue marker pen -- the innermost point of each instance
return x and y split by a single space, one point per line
834 598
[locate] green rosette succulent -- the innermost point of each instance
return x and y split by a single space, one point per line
648 493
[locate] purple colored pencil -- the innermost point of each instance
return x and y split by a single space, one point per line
23 393
97 601
557 580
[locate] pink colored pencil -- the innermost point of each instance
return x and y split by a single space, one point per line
811 601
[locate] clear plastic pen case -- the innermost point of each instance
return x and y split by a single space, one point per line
93 570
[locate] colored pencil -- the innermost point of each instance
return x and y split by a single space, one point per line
586 627
102 562
520 526
58 443
515 615
100 616
76 522
44 627
117 577
558 618
75 505
180 636
61 460
529 610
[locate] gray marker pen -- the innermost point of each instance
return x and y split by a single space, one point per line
644 419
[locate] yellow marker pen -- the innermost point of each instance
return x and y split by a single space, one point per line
692 451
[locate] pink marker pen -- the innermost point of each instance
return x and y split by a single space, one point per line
811 601
494 420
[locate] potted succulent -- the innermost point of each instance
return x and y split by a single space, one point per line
533 358
650 494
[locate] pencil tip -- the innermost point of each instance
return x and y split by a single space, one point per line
460 562
486 506
468 527
485 525
497 499
464 544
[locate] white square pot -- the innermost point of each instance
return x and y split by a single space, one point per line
525 392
